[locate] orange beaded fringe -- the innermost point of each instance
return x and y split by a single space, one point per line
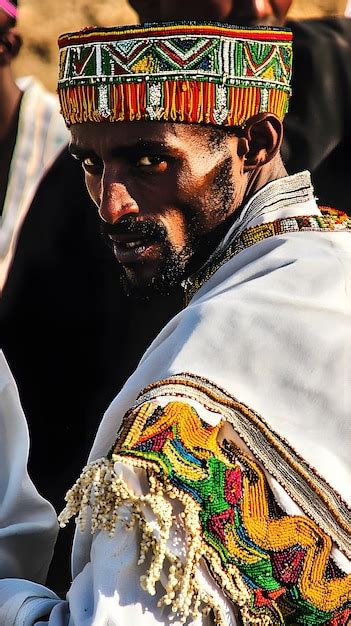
177 101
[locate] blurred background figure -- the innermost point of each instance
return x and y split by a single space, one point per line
28 143
318 125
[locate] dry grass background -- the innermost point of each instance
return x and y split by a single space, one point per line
41 21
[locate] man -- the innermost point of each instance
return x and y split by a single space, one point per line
212 492
316 137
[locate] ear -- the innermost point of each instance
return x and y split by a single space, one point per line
260 140
10 45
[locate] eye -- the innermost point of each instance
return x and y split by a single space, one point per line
91 164
154 164
88 162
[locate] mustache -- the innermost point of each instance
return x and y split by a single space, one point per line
148 228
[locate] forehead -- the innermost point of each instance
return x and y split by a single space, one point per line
109 135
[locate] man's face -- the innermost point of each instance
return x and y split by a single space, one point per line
163 191
241 12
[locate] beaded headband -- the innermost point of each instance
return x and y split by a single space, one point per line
180 72
10 7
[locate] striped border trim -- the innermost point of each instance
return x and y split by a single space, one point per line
182 28
331 220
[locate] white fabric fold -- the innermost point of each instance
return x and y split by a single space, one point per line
23 603
28 524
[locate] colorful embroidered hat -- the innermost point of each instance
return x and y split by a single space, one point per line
10 7
180 72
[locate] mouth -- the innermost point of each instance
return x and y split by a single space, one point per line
136 247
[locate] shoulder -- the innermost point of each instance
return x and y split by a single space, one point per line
33 88
334 28
284 255
48 117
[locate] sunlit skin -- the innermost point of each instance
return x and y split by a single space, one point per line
241 12
163 190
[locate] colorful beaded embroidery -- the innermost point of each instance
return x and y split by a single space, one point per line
331 220
276 568
315 496
186 72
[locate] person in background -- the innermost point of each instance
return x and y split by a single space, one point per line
217 489
317 134
31 134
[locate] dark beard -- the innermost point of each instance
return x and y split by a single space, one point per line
173 267
163 284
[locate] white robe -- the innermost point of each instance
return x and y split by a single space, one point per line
41 136
272 327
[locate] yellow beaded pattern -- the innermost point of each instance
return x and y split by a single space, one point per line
307 488
275 568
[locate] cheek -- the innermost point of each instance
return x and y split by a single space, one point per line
210 198
190 185
177 227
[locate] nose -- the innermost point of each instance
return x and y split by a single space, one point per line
115 202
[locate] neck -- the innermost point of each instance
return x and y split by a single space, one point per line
264 175
9 101
256 180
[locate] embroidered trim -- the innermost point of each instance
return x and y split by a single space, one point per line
310 491
275 568
331 220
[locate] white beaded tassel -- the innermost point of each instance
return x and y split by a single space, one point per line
107 494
